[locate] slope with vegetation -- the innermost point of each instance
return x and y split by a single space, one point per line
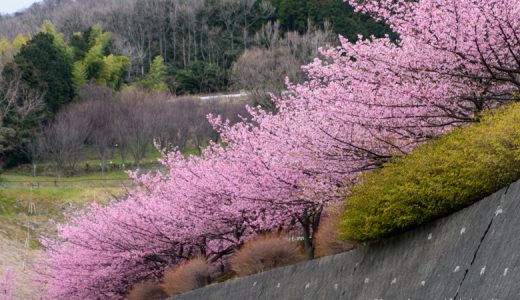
437 178
363 105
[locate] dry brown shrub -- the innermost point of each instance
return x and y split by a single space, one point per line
147 290
193 274
326 239
264 253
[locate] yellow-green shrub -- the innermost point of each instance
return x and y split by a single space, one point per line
437 178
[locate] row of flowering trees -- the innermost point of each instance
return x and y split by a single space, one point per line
363 104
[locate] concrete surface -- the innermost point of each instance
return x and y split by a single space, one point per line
472 254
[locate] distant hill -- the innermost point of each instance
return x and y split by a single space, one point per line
180 46
186 31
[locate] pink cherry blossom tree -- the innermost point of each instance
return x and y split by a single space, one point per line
7 285
363 104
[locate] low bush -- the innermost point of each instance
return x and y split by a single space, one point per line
188 276
437 178
147 290
327 240
264 253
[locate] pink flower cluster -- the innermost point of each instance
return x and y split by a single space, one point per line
7 285
363 104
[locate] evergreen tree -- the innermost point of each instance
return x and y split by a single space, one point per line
46 68
155 80
296 14
201 77
93 61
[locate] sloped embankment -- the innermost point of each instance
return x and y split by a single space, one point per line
472 254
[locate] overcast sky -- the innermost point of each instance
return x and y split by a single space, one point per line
11 6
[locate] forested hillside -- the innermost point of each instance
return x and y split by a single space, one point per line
51 51
196 38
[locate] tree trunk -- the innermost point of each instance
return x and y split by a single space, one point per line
103 163
307 235
310 224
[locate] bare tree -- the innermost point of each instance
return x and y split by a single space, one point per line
65 137
175 120
135 123
102 138
34 150
203 131
18 102
263 71
252 14
100 108
93 92
305 47
269 35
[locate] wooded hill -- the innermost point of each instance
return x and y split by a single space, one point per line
198 39
50 51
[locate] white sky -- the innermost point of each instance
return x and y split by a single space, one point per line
11 6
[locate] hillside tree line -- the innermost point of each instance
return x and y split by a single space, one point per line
198 39
51 51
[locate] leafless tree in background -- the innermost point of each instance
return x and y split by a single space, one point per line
34 150
203 131
18 102
262 70
100 108
305 47
129 121
93 92
135 123
176 119
102 138
65 138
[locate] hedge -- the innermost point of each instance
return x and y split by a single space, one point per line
436 179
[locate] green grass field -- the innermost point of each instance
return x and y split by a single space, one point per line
29 205
28 212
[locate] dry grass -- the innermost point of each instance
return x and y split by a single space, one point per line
147 290
327 241
188 276
27 214
18 258
264 253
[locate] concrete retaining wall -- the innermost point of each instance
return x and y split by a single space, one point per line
472 254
